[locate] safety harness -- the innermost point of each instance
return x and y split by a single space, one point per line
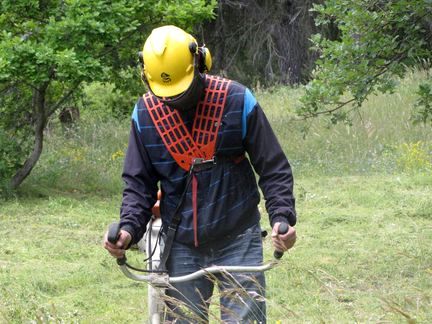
183 146
194 150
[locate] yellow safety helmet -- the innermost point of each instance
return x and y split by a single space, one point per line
171 59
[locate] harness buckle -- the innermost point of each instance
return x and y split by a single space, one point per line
199 164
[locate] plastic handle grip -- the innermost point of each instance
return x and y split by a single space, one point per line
113 233
113 236
283 229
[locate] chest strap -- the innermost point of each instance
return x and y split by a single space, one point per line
184 146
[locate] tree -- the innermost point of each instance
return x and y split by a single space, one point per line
263 40
48 49
378 42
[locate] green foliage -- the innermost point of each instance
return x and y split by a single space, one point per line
378 41
375 140
178 12
424 104
87 158
48 50
10 153
415 157
14 130
106 100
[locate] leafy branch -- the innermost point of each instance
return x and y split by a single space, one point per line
370 47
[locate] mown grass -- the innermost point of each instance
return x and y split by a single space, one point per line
363 251
363 255
365 223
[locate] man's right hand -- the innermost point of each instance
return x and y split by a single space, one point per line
283 242
118 250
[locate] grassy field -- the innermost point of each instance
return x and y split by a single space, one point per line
365 223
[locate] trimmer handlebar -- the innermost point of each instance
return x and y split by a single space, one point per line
114 231
161 279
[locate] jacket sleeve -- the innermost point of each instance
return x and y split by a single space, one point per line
140 191
270 163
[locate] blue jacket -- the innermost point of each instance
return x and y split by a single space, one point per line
228 195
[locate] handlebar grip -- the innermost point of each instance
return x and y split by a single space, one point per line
283 229
113 233
113 236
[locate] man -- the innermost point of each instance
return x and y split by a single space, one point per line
190 135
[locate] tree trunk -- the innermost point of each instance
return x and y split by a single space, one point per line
40 120
263 40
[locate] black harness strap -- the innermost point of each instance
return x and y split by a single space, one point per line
172 228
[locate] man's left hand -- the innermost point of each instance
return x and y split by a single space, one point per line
283 242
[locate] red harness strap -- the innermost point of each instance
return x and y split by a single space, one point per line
183 146
195 208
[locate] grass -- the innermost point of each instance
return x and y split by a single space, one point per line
363 247
382 138
363 255
364 233
53 265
